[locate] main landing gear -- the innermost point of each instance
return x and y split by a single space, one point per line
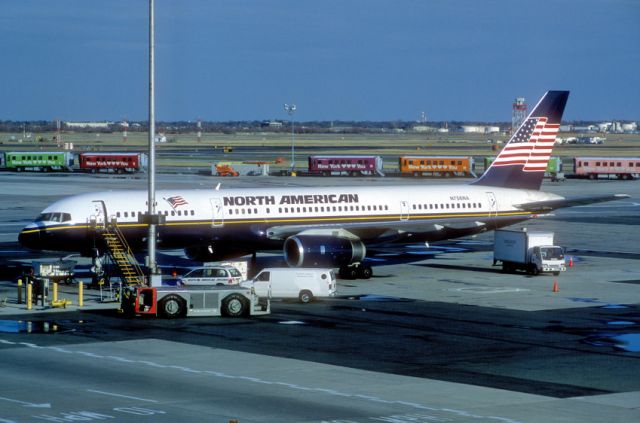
356 271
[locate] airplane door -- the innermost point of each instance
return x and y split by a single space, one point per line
493 204
404 210
217 212
97 214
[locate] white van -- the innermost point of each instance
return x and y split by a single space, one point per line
305 284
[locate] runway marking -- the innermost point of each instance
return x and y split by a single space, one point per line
327 391
489 290
26 404
120 395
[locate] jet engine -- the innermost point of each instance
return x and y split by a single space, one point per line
312 250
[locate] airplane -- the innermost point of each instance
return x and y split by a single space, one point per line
329 226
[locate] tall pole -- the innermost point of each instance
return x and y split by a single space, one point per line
152 147
290 109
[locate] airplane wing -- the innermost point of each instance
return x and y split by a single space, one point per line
548 205
377 230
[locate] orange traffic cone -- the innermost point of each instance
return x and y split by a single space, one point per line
555 286
570 261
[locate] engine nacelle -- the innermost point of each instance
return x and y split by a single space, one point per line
211 253
312 250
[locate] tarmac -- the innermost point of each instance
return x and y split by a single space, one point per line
601 241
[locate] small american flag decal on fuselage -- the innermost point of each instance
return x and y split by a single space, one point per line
176 201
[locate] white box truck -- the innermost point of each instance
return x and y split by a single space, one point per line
533 252
304 284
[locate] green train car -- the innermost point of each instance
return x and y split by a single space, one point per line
554 168
44 161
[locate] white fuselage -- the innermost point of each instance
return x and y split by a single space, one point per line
268 216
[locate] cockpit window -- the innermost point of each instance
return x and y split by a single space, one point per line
54 217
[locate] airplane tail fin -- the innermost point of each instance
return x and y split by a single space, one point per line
523 160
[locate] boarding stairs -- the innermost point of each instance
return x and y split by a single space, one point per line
121 255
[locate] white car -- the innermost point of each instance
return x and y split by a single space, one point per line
212 275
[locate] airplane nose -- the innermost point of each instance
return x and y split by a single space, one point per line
29 238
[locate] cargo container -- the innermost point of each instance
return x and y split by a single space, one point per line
443 166
347 164
596 167
112 162
41 161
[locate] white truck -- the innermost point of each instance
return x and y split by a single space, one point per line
304 284
533 252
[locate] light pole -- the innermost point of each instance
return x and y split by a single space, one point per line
154 276
290 109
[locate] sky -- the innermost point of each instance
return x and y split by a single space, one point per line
368 60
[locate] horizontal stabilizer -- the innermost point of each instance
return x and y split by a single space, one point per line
545 206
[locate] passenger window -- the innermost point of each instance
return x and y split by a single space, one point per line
264 276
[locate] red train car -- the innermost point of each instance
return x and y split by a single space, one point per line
594 167
349 164
114 162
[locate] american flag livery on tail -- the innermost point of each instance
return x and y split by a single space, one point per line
523 161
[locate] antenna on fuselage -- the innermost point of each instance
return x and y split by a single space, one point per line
218 186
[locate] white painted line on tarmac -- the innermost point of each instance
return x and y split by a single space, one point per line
26 404
120 395
488 290
293 386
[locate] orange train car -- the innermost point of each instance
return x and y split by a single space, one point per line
443 166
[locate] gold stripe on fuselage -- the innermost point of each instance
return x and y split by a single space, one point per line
312 219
